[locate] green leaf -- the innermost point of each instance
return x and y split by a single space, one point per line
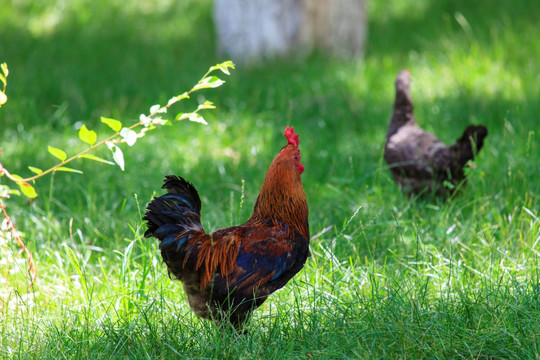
118 155
206 105
35 170
27 189
224 67
448 184
5 191
173 100
115 125
208 82
197 118
4 69
183 96
95 158
14 192
157 109
88 136
66 169
182 116
57 153
214 81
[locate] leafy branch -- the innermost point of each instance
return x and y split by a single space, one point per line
122 134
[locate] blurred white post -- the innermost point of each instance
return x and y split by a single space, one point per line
249 30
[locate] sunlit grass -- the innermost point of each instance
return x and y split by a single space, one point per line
393 278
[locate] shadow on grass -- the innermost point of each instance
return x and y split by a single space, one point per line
119 54
423 25
99 58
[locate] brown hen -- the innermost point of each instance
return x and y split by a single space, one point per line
419 162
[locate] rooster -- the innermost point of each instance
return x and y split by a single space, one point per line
232 271
419 162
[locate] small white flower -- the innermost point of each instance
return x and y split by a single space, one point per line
159 121
197 118
129 135
156 109
145 120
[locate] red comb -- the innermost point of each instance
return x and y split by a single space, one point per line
292 137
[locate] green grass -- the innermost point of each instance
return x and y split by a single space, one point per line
393 279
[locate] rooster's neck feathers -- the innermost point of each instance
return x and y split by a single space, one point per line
282 198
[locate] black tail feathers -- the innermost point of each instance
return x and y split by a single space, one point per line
178 185
469 144
476 135
172 217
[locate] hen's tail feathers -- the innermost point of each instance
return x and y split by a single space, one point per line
470 143
174 216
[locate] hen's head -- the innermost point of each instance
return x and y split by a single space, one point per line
403 83
292 139
403 105
403 79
